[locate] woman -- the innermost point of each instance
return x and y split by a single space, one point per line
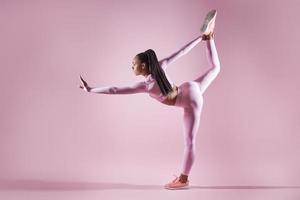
189 95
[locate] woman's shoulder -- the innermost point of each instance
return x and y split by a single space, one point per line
149 78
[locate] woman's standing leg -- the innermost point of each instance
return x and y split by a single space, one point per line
192 102
191 122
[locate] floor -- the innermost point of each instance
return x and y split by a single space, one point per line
38 189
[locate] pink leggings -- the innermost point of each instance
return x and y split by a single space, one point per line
190 98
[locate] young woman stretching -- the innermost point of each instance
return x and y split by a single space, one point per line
189 95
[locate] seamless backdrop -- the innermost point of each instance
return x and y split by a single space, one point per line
52 130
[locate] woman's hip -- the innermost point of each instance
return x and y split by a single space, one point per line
189 95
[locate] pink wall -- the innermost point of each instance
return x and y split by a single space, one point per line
52 130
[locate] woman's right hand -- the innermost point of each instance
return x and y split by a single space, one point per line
84 85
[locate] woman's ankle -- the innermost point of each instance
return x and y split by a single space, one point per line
183 178
209 36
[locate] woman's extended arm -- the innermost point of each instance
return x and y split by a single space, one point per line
182 51
137 87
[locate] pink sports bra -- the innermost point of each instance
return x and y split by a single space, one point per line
153 88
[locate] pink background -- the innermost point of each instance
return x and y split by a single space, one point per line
55 134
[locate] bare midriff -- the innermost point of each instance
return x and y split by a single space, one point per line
171 99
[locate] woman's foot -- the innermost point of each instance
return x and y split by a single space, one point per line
209 22
178 183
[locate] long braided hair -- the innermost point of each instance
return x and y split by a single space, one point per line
149 57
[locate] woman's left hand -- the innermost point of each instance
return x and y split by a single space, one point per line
84 85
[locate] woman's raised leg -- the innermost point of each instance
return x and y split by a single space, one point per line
213 59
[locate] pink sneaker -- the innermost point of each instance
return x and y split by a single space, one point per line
209 22
176 184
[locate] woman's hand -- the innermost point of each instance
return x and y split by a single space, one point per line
84 85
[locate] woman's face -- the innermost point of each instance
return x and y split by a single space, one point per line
138 67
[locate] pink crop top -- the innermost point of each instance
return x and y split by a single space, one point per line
153 88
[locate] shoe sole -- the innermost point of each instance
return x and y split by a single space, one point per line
209 16
177 188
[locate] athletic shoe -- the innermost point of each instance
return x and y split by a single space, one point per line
209 22
176 184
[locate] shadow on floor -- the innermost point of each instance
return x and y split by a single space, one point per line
62 185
